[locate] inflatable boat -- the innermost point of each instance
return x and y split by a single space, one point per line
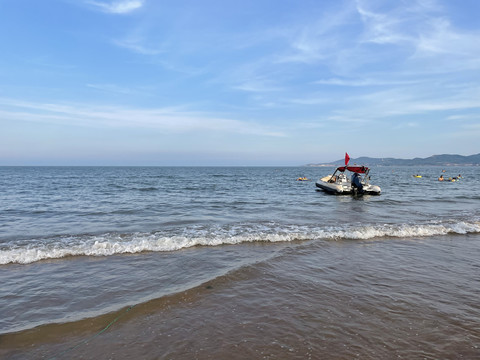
339 183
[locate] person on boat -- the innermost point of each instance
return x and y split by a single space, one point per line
332 179
357 182
440 178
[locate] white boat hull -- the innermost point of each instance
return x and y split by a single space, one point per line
345 187
333 187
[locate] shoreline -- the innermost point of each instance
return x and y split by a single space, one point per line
347 299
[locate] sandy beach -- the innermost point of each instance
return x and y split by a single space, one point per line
312 301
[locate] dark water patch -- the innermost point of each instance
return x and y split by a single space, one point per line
116 186
151 188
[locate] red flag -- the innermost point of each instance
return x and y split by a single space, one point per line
347 159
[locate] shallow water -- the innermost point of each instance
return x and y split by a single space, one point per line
246 258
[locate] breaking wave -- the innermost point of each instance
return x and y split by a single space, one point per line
29 251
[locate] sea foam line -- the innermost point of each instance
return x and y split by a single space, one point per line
111 243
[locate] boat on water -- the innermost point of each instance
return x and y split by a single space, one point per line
339 183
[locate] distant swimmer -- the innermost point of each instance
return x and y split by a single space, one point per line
440 178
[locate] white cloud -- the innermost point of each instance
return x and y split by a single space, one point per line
137 45
257 85
466 117
421 30
407 101
452 49
382 28
170 120
316 41
365 82
111 88
406 125
118 7
313 99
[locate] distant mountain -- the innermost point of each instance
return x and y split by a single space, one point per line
440 160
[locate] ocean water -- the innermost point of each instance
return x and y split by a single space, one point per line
308 274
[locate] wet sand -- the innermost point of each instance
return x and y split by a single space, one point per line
408 298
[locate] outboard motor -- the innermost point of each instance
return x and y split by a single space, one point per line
357 183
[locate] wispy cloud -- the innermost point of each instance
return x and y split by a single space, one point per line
118 7
358 82
384 27
423 30
175 120
137 45
406 125
407 101
112 88
313 99
316 41
257 85
464 117
454 50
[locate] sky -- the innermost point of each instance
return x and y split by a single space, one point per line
241 83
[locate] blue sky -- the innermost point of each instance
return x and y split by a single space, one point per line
226 82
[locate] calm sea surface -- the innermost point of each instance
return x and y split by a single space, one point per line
238 262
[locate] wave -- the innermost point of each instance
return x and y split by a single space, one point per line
24 252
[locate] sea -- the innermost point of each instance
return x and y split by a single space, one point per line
238 263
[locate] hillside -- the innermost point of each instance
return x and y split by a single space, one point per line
440 160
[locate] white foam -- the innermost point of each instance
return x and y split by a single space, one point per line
111 244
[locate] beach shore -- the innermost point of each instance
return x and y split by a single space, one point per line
316 300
